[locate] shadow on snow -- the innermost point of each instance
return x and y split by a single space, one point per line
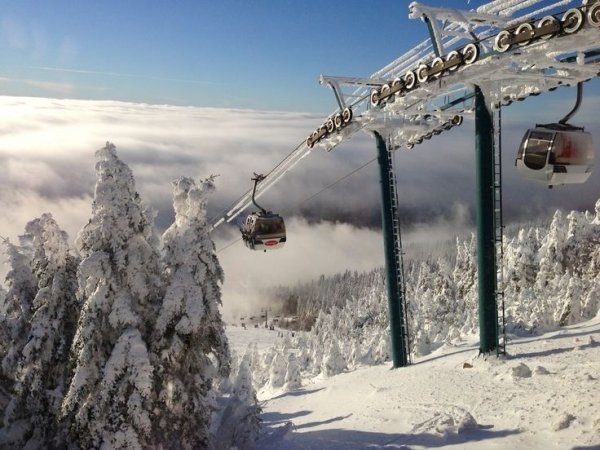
341 439
297 393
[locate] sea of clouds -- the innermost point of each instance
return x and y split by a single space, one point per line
47 162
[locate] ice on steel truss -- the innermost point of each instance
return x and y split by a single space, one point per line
511 49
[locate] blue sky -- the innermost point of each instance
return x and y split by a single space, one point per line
260 54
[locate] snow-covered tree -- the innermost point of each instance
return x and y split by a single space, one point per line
277 370
2 295
333 361
551 257
15 316
240 422
3 392
17 306
293 379
189 333
570 305
464 278
110 399
42 373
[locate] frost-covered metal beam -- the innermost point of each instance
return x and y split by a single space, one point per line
523 70
336 83
454 22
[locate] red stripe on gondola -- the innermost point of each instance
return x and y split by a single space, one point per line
271 243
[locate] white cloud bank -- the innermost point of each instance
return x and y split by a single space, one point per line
47 165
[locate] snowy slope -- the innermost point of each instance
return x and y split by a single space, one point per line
544 395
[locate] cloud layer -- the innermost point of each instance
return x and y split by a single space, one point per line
47 160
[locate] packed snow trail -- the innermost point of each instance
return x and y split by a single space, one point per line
544 395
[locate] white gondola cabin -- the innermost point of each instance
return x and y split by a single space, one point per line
263 231
556 154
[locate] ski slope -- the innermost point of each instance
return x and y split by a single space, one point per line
543 395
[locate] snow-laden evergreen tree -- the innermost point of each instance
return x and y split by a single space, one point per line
3 392
464 278
15 315
383 348
569 309
520 271
333 361
240 421
293 379
189 332
110 399
551 256
42 375
355 353
2 300
277 370
18 302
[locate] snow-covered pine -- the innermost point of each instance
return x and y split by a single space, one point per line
110 399
464 277
15 315
43 372
240 421
277 370
3 391
189 341
293 378
2 295
333 361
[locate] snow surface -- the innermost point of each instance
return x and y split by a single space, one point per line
545 394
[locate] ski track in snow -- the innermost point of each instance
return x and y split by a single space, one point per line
544 395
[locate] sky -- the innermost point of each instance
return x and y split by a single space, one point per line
258 54
230 88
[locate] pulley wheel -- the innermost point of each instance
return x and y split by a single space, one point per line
385 91
548 20
330 125
524 30
397 86
572 21
594 15
437 65
423 73
338 121
410 79
375 99
454 59
347 115
470 53
502 42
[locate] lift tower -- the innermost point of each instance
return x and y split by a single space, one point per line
392 244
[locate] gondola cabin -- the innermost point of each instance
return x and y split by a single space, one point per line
556 154
263 231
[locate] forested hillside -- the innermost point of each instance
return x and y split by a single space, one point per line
551 274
